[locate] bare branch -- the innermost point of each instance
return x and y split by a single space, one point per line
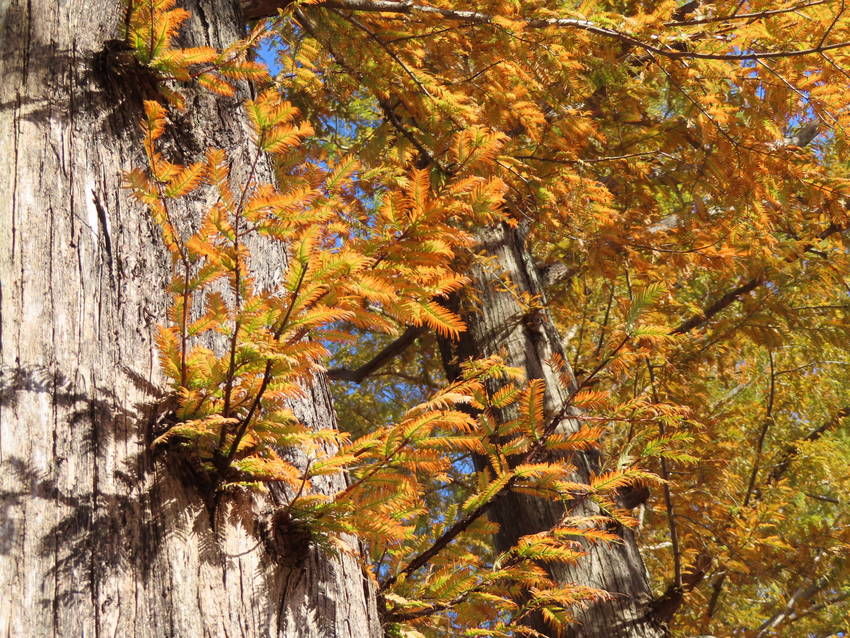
768 420
434 608
387 353
258 9
832 24
668 498
838 598
791 450
745 16
724 302
802 594
826 499
593 160
716 589
448 536
389 51
801 94
734 295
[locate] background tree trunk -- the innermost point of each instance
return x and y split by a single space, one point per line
497 324
96 538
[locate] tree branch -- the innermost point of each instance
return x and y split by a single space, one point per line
387 353
386 107
681 22
724 302
734 295
802 594
668 498
768 420
594 160
389 51
434 608
794 617
448 536
259 9
791 450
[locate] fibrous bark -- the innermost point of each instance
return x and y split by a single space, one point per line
499 325
96 537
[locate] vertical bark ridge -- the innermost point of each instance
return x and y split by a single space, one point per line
498 324
96 539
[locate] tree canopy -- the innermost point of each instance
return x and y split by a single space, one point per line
678 175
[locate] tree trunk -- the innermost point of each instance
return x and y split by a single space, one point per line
96 538
497 324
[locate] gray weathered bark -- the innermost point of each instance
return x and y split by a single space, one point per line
497 324
95 537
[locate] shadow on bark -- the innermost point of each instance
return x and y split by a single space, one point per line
109 83
121 522
107 522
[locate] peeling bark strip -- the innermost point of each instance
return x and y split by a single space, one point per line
96 539
497 324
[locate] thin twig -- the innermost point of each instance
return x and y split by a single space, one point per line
803 96
264 384
389 51
593 160
386 107
540 445
791 450
448 536
831 25
604 326
237 286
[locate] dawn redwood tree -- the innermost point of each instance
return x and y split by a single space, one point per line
97 538
497 323
644 145
628 191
